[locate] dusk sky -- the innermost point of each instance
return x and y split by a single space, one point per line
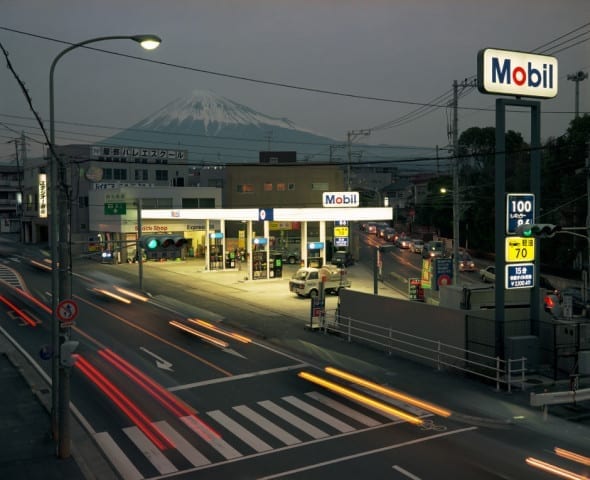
400 55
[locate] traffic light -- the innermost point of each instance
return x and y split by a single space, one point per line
175 240
66 353
538 230
150 243
153 242
552 304
179 241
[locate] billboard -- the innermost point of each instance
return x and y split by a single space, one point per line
520 74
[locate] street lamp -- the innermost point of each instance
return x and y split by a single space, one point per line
60 258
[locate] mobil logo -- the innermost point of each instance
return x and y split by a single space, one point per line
340 199
507 72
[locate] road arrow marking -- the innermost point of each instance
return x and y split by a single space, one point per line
160 362
231 351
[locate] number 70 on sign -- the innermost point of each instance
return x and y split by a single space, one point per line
520 249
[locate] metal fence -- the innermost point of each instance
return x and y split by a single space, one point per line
507 372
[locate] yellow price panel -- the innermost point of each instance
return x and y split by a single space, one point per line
341 231
520 249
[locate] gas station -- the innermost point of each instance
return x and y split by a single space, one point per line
259 260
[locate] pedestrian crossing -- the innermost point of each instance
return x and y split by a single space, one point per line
239 432
11 277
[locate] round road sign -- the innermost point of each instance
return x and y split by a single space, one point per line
67 310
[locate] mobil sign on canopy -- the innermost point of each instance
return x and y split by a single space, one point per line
340 199
521 74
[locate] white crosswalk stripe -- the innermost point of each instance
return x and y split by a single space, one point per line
11 277
344 409
319 414
294 420
213 439
151 452
259 428
182 445
239 431
117 457
267 425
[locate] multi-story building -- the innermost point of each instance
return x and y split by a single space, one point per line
91 168
10 197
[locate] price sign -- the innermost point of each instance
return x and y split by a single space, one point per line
520 249
520 210
341 231
520 275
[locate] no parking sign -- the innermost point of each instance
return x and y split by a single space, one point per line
67 311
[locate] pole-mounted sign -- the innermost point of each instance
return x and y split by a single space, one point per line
520 210
520 74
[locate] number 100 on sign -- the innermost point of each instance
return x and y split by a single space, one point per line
520 210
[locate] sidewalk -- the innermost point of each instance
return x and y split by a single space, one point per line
26 447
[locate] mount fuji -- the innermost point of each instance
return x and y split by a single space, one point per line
214 129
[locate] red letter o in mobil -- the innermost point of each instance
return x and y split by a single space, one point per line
519 76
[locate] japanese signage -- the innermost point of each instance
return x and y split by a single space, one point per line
520 275
520 249
520 210
132 153
42 195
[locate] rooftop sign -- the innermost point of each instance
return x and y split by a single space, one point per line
340 199
506 72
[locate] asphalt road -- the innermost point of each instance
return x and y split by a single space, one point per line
242 410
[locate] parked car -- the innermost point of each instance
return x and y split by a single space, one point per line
466 263
289 256
488 274
417 245
432 249
342 258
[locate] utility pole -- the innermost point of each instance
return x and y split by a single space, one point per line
455 140
586 296
19 207
577 77
455 145
350 137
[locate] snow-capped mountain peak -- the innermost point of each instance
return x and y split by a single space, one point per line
214 111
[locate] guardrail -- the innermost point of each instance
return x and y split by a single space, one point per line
556 398
509 372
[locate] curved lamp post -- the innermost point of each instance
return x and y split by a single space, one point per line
60 287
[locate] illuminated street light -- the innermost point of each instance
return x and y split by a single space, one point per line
60 258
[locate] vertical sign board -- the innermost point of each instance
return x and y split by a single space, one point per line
42 195
443 272
520 210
